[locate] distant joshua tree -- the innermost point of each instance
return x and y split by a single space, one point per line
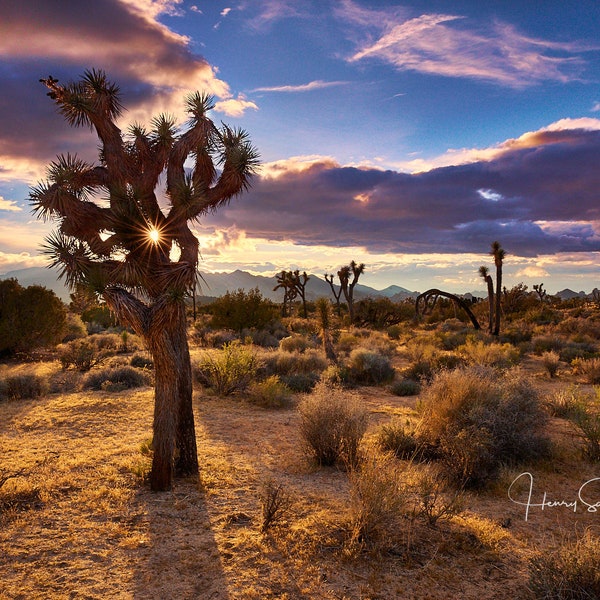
499 254
114 238
541 292
293 285
348 285
336 294
485 274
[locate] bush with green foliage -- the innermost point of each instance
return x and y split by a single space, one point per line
141 361
589 368
300 382
368 367
75 328
405 387
399 439
295 363
332 424
116 379
30 318
270 393
479 352
551 360
22 387
478 422
569 573
81 354
296 343
229 370
242 310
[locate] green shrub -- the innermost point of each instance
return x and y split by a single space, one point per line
564 403
397 439
586 418
116 379
293 363
23 387
81 354
478 422
270 393
332 424
74 328
300 382
368 367
242 310
546 343
570 573
229 370
141 361
405 387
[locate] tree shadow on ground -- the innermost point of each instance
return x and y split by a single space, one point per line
177 556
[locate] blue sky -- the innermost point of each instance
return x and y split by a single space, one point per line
407 136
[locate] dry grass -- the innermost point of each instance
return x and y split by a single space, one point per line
84 525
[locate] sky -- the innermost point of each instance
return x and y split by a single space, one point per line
405 135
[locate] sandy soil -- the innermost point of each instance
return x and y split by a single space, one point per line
83 524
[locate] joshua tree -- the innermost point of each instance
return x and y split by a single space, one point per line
540 291
300 282
285 282
114 237
499 254
485 274
348 286
324 320
337 295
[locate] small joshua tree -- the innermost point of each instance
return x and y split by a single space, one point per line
348 284
114 238
499 254
485 274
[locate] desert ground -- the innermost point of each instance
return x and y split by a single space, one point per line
79 521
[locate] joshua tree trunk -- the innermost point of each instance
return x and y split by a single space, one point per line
499 254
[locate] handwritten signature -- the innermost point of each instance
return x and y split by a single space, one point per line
581 502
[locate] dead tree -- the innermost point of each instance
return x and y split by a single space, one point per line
429 299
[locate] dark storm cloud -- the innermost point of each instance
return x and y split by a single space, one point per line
538 196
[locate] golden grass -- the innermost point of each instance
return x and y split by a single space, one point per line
96 531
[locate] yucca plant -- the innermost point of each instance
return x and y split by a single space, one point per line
140 258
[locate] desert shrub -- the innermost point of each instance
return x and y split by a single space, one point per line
23 387
74 328
64 382
300 382
573 350
551 360
229 370
368 367
292 363
564 403
397 438
109 342
450 340
434 500
477 352
242 310
215 339
377 503
270 393
546 343
347 341
275 503
261 337
478 423
337 375
586 419
98 318
381 343
589 368
394 332
31 317
332 424
569 573
116 379
405 387
81 354
141 361
295 343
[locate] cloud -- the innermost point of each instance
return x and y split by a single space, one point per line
153 66
272 11
225 12
235 107
537 195
9 205
596 107
306 87
444 44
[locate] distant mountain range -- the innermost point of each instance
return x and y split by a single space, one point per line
217 284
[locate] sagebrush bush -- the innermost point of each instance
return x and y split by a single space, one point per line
478 422
478 352
332 424
141 361
570 573
546 343
295 343
294 363
300 382
82 354
551 360
270 393
564 403
116 379
23 387
397 438
586 418
230 370
405 387
589 368
378 503
368 367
